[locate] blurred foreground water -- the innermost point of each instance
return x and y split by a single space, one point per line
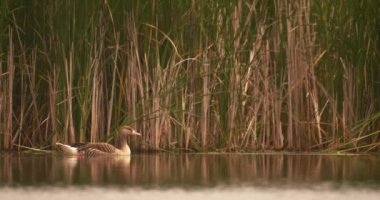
190 176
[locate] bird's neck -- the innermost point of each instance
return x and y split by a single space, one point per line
122 144
125 149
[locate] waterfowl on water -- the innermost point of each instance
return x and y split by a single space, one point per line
101 148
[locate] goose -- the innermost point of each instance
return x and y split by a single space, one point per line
101 148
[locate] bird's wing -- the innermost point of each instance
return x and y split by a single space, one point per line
103 147
90 152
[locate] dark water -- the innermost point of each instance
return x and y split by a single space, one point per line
191 174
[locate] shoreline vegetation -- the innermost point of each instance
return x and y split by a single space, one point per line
198 76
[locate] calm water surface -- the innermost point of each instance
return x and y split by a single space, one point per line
190 176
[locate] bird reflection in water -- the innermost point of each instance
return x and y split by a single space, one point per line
99 169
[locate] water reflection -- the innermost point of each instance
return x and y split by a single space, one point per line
190 170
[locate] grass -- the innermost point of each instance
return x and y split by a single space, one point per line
192 75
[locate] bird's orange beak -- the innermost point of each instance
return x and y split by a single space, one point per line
135 133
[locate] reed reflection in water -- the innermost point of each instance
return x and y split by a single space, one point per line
190 170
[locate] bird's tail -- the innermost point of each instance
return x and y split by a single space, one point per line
67 149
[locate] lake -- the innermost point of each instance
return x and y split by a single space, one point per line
190 176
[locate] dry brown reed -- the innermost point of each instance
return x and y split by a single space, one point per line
243 75
8 96
69 134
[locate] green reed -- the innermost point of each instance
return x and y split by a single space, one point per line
191 75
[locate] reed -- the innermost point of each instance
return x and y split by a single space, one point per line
191 75
8 96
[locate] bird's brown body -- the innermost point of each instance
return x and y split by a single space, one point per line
100 148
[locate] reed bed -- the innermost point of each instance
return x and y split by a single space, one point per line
192 75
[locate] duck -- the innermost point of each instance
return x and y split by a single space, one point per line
101 148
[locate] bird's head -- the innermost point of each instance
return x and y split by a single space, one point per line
127 130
